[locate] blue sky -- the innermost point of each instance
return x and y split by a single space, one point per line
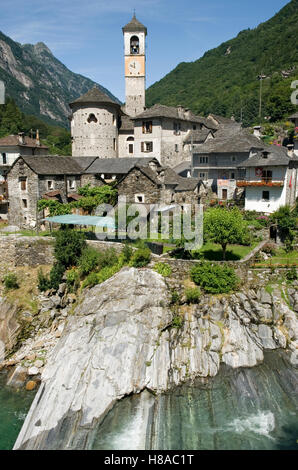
87 36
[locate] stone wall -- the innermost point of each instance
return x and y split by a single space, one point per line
26 251
137 183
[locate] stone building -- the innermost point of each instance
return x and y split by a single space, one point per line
294 119
159 185
270 180
12 146
33 178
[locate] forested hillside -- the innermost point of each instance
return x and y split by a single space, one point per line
225 80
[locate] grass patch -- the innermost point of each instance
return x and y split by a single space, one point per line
213 252
281 257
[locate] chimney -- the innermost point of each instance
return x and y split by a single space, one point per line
37 138
181 111
21 138
161 175
257 132
290 148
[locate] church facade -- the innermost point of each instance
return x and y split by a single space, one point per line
101 127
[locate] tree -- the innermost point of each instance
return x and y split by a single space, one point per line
287 223
224 226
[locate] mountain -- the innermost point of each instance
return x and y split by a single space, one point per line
224 81
38 82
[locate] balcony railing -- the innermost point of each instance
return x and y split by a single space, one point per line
261 182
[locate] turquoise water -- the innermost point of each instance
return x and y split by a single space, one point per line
237 410
14 406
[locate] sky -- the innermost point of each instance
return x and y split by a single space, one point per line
87 35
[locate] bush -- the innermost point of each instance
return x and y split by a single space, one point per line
97 278
292 274
72 279
192 295
107 258
11 281
69 245
56 275
140 258
214 279
88 261
175 297
177 321
126 254
43 281
163 268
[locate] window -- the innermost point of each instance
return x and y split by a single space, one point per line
203 176
50 184
267 175
233 158
232 175
25 205
203 159
92 118
139 198
177 128
176 147
71 184
134 45
23 183
224 194
147 127
114 144
130 148
265 154
194 127
265 195
4 159
146 147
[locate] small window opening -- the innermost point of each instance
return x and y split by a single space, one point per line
92 118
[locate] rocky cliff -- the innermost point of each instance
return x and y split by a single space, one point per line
123 339
39 83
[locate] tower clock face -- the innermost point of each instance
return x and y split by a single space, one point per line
134 66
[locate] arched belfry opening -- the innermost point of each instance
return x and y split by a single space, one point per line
92 118
134 45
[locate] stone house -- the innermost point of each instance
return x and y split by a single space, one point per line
12 146
270 180
33 178
159 185
217 161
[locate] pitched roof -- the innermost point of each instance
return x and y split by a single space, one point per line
126 124
276 156
52 165
134 26
94 96
119 166
179 113
182 167
197 136
187 184
13 140
84 162
229 140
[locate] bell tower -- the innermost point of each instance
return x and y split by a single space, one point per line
135 66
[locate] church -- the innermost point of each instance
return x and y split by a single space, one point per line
101 127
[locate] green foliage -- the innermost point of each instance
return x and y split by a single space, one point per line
69 245
141 258
226 84
292 274
107 258
224 226
192 295
11 281
72 279
125 255
163 268
175 297
88 261
56 275
214 279
177 321
287 224
43 281
97 278
55 207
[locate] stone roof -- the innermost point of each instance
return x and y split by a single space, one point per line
134 26
178 113
222 120
229 141
52 165
277 156
13 141
183 166
120 166
84 162
197 136
127 124
187 184
94 96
